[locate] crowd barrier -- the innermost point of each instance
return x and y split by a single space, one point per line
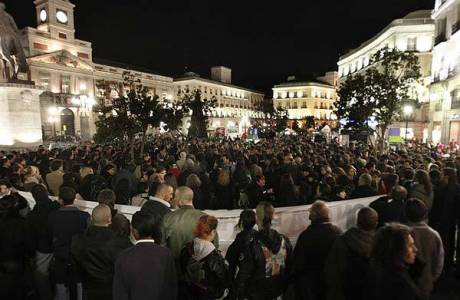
290 221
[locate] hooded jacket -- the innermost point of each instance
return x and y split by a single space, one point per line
205 270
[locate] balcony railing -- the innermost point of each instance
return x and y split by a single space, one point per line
440 38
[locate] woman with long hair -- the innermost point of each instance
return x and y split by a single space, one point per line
223 190
32 177
204 268
394 254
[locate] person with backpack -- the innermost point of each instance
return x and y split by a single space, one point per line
262 271
203 267
348 264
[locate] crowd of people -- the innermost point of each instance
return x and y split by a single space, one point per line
169 250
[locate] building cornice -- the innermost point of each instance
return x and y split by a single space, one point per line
389 29
219 83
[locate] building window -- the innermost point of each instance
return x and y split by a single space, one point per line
412 44
40 46
83 86
62 36
65 84
44 80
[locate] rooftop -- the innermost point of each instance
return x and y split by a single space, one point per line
418 17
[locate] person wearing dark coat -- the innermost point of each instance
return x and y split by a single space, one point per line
364 188
396 268
242 240
203 267
224 192
311 251
348 263
15 250
94 254
445 215
263 267
145 271
63 224
41 239
256 191
160 204
391 209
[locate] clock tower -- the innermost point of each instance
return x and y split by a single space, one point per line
56 18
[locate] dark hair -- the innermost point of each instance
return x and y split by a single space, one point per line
451 175
435 175
205 225
107 197
56 164
390 244
153 188
422 177
67 194
247 219
8 207
146 225
39 193
121 226
416 210
5 183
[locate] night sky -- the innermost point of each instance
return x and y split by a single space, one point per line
262 42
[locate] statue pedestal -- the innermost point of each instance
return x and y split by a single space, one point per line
20 121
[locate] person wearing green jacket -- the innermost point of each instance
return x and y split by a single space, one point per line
177 227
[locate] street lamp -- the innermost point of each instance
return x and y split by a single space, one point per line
407 110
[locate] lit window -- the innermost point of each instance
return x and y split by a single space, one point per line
412 44
65 84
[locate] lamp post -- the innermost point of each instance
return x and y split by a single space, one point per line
407 110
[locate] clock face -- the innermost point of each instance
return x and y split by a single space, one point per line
43 15
61 16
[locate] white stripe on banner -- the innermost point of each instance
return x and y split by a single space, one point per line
290 221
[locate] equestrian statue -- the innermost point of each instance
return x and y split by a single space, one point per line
11 51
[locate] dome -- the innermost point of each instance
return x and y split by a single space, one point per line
191 74
419 14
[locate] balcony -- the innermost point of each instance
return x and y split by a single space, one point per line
455 104
439 39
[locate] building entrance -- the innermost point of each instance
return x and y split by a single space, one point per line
67 122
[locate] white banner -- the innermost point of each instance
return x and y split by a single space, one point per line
290 221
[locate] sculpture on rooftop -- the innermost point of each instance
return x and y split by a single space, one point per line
11 51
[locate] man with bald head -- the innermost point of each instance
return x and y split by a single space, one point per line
311 251
94 254
177 227
348 263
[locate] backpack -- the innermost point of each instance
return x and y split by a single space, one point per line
97 184
275 264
